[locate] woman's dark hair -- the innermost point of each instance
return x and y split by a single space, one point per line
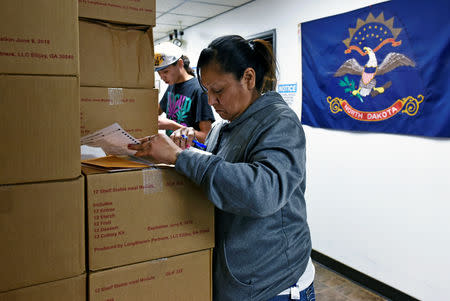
186 66
234 54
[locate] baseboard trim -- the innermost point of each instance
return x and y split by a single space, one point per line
356 276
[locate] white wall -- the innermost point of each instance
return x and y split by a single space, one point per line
377 203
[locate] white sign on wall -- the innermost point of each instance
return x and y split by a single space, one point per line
288 92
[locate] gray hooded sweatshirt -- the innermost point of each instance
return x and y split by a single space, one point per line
254 173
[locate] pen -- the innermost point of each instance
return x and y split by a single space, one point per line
201 145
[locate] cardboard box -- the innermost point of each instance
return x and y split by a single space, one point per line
114 56
136 110
71 289
41 233
39 37
141 215
122 11
184 277
40 122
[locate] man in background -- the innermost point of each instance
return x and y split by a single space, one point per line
184 102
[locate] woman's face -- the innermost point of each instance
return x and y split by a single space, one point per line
229 96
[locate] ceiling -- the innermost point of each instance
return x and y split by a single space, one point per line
181 14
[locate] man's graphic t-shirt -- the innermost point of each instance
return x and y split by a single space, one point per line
186 104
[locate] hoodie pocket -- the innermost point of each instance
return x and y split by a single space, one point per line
231 288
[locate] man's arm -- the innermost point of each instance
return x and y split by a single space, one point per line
167 124
205 127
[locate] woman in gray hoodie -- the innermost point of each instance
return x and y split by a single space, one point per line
253 170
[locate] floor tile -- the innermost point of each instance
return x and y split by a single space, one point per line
330 295
331 286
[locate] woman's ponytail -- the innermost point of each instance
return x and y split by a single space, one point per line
265 58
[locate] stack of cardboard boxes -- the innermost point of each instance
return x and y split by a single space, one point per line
139 223
42 238
116 66
150 232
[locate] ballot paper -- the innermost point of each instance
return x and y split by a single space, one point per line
113 140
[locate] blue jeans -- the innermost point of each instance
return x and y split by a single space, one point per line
307 294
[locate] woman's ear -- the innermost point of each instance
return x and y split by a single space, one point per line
249 78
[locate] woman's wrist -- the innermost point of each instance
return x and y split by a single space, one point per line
177 153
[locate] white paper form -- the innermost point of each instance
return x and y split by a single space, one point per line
113 140
91 152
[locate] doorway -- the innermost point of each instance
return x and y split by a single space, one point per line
269 36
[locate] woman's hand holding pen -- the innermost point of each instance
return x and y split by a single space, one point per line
163 149
159 148
183 137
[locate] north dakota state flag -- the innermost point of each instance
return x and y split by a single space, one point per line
382 68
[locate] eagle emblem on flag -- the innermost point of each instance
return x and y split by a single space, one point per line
372 29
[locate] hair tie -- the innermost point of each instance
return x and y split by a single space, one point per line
251 44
